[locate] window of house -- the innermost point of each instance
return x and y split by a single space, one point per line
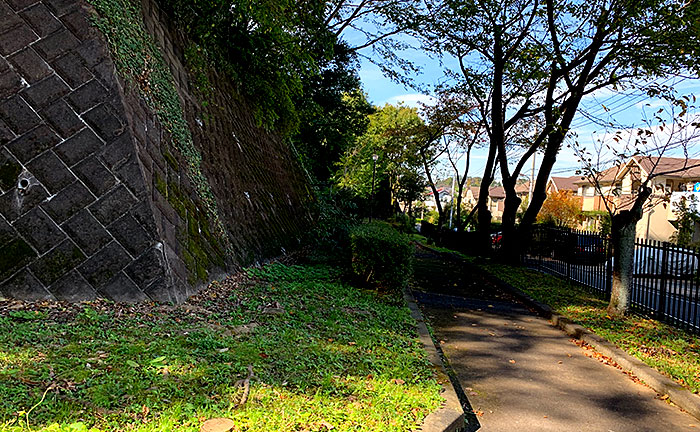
635 187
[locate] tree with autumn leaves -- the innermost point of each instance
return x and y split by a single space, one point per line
561 208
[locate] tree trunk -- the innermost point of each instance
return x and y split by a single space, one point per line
510 244
483 214
436 195
624 226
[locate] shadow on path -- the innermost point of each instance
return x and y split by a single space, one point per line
519 372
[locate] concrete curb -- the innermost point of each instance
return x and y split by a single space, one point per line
450 416
663 385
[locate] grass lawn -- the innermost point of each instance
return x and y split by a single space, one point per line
280 348
671 351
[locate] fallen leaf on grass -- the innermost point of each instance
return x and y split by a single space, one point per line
398 381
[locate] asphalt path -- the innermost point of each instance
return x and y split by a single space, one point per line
522 374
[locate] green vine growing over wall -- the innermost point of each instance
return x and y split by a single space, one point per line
140 63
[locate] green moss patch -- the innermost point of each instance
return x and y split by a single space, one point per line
14 255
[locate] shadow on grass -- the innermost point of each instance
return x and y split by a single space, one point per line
323 354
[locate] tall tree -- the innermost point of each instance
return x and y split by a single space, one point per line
561 208
395 150
449 128
524 61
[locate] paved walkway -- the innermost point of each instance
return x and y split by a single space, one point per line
520 373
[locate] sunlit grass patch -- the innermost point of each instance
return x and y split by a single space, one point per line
322 354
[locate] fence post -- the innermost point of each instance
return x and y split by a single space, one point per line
568 257
661 307
608 268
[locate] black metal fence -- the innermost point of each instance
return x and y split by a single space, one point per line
665 281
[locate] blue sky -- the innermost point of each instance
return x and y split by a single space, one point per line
628 108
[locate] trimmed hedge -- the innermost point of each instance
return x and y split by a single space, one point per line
381 255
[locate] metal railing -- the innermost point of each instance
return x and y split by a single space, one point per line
665 281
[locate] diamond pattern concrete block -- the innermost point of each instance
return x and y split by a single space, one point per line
123 290
18 5
113 204
10 169
10 83
14 204
6 134
147 268
87 232
104 265
32 67
118 152
51 172
62 7
33 143
18 115
131 234
62 119
7 233
68 202
46 92
42 21
25 286
72 288
56 44
77 23
70 67
16 38
87 96
104 122
57 262
130 174
95 175
39 230
8 18
14 255
78 147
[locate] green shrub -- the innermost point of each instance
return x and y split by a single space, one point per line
403 223
335 218
381 255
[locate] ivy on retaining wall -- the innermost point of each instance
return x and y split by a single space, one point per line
140 63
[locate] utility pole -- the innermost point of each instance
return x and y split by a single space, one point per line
452 207
532 179
374 169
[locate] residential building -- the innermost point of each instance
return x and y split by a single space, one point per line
557 184
617 188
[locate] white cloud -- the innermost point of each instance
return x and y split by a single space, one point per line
412 100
